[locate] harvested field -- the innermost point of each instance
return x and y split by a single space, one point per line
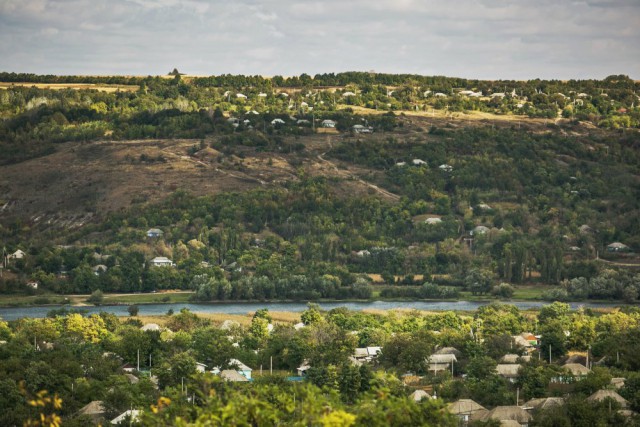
76 86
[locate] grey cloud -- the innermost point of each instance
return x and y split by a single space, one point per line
470 38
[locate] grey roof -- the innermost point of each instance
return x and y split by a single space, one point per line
501 413
617 245
576 369
465 407
442 358
133 413
92 409
544 403
600 395
617 382
449 350
510 358
418 395
231 375
508 370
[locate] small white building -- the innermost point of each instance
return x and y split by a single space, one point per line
445 167
19 254
481 229
418 162
154 232
362 129
161 261
327 123
277 122
432 221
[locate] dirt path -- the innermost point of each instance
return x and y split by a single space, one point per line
346 175
619 264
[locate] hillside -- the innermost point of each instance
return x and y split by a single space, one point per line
294 203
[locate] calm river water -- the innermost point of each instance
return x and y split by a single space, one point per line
13 313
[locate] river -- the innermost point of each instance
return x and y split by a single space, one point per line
13 313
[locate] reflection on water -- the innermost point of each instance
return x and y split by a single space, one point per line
244 308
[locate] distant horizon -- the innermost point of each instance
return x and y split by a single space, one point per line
203 75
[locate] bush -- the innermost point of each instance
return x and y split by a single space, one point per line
557 294
503 290
133 310
96 297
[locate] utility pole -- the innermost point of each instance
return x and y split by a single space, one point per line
138 359
271 365
549 353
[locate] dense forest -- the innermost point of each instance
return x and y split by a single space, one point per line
313 372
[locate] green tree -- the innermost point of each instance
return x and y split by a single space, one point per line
96 298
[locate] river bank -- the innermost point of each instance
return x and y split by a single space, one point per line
13 313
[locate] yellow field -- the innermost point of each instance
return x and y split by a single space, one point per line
76 86
218 318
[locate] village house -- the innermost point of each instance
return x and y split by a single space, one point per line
505 413
617 247
232 376
161 261
508 371
154 233
464 409
543 403
303 368
19 254
328 124
601 395
133 415
362 129
94 410
441 362
366 354
419 395
575 372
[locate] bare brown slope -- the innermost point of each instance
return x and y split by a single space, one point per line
83 181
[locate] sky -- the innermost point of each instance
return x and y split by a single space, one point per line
483 39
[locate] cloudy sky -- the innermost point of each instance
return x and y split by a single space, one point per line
486 39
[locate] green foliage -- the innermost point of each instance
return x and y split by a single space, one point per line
96 298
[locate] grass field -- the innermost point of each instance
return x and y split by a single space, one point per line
76 86
159 298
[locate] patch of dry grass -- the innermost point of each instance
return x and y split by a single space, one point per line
218 318
76 86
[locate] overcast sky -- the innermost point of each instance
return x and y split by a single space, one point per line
485 39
